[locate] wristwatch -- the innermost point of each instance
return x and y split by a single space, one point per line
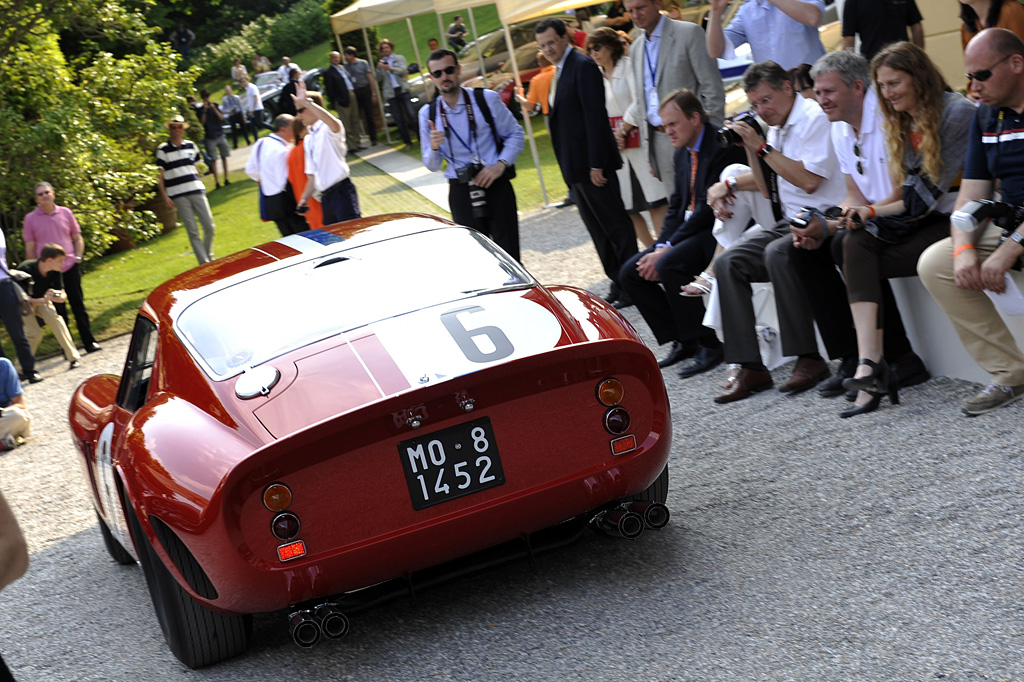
765 150
1017 237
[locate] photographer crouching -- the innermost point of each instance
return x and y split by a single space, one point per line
477 135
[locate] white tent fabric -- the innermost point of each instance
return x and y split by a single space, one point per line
375 12
513 11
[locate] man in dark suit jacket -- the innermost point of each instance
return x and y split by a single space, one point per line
586 150
341 92
685 244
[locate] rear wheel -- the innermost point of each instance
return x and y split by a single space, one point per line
196 635
656 492
117 552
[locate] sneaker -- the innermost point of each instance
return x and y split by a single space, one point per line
8 442
991 397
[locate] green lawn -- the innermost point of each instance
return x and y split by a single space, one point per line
116 285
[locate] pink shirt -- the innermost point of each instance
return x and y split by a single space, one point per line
57 228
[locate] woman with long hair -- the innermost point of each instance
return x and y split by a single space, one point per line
926 126
641 191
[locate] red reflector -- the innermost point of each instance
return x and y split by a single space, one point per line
623 445
293 550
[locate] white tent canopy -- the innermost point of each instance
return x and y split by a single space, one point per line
375 12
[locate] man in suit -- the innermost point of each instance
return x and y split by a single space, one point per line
392 75
667 56
342 94
685 244
586 150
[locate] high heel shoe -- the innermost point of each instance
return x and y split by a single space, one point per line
881 381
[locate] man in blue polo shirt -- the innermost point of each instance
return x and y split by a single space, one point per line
15 421
967 272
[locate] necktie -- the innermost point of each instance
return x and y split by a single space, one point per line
554 86
693 179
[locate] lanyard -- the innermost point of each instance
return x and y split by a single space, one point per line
650 66
472 128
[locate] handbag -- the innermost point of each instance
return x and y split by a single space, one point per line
632 137
920 196
21 281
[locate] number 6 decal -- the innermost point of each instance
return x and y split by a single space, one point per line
467 339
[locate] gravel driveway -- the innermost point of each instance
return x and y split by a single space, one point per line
801 547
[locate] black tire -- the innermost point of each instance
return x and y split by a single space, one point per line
656 492
194 634
117 552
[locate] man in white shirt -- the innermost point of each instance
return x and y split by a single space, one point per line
284 71
842 81
253 105
800 169
326 168
268 165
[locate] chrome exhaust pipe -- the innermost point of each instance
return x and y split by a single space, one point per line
304 628
619 522
655 514
333 623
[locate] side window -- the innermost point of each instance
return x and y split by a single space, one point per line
137 371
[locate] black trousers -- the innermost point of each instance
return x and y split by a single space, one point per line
281 209
340 202
10 312
502 220
610 227
364 96
401 112
238 125
670 316
76 299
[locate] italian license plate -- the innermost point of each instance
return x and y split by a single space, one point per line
457 461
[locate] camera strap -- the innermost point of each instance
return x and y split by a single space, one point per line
448 130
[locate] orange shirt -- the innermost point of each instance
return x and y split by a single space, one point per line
540 88
297 179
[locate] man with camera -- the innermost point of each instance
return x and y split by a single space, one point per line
794 167
477 135
967 272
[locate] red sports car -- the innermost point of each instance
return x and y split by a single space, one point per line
343 415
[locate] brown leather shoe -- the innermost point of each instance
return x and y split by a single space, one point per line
748 382
807 373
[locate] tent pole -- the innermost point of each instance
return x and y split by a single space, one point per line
479 54
375 87
526 115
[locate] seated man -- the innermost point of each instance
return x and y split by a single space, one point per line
15 421
964 270
685 242
842 81
48 288
800 169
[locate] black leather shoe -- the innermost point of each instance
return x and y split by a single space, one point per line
565 202
74 364
679 352
705 359
833 386
624 300
93 348
910 371
34 378
613 293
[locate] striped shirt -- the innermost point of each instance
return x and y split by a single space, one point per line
178 165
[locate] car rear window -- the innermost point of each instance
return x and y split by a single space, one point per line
348 286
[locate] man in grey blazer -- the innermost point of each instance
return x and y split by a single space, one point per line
392 75
667 56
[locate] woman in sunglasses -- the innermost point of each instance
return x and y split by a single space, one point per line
926 126
640 190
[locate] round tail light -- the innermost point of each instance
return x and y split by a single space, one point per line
616 421
277 497
285 526
609 392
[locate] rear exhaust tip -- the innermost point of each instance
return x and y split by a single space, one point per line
620 523
304 628
333 623
655 514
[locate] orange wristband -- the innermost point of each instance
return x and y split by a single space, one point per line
960 249
872 209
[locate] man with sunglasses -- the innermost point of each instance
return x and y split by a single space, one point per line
978 259
476 134
842 82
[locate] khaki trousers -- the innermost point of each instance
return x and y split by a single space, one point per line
973 314
350 120
15 421
34 333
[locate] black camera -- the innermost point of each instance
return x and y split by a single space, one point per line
466 174
728 138
974 213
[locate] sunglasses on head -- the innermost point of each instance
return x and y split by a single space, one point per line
985 74
448 70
